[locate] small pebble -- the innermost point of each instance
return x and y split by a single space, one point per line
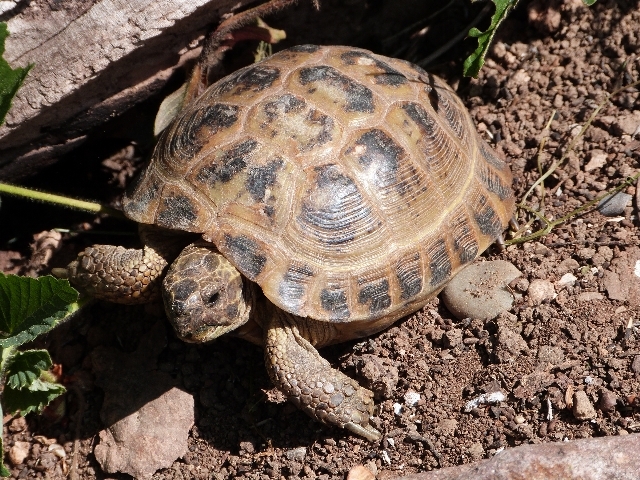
519 419
635 365
608 401
540 290
480 290
493 397
567 280
411 398
614 205
18 425
476 451
582 406
19 452
58 450
598 158
589 296
360 472
296 454
397 408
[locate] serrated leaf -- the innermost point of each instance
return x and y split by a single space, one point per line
27 367
10 78
32 399
30 306
474 62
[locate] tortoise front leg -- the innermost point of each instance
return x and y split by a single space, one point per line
121 275
298 370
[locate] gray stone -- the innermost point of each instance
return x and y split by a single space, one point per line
480 290
614 205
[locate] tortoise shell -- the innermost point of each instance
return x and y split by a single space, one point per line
348 185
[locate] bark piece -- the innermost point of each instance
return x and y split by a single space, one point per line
93 60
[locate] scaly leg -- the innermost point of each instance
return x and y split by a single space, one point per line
298 370
121 275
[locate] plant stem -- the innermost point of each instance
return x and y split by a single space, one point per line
73 203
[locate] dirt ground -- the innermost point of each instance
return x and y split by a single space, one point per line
574 330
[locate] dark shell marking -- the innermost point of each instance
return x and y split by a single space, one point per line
305 48
142 193
376 295
188 135
255 78
409 274
358 97
230 163
294 284
440 264
246 254
334 301
487 218
177 212
464 242
387 76
261 177
381 154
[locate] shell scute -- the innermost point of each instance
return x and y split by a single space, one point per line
294 285
383 73
440 265
326 80
376 295
249 79
334 301
410 274
293 124
246 253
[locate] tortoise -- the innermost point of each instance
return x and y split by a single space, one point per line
333 191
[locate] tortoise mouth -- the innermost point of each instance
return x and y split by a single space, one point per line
207 334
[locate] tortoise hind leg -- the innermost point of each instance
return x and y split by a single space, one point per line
298 370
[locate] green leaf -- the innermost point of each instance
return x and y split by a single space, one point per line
26 367
30 307
32 399
474 62
30 387
10 78
589 2
169 108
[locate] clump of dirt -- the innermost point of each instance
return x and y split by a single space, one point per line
566 357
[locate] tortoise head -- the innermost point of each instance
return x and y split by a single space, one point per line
203 295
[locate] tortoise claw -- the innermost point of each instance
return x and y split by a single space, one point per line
367 431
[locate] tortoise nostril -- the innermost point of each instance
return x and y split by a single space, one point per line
213 298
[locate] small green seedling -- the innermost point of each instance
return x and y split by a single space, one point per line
29 307
475 61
